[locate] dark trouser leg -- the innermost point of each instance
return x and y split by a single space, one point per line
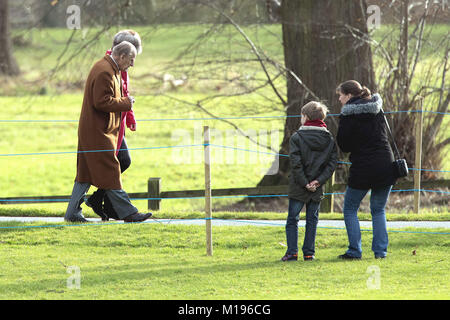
378 200
295 207
74 210
352 201
120 203
108 209
312 218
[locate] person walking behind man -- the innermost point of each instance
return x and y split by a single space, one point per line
313 159
98 201
98 131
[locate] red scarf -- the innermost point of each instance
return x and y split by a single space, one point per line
315 123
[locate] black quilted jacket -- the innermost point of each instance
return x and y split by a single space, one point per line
362 132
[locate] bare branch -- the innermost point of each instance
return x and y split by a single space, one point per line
432 129
97 36
250 90
252 45
419 40
442 144
239 130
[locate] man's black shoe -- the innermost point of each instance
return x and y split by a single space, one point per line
348 257
137 217
77 219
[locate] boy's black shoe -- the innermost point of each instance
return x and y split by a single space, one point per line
290 257
308 258
380 257
348 257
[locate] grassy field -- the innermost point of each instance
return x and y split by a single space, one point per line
154 261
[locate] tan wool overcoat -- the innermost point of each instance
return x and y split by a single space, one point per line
98 127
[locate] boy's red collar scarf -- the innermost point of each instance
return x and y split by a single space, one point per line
315 123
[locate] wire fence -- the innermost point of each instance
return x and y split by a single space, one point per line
214 197
191 146
178 146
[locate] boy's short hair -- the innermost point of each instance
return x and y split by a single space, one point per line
315 110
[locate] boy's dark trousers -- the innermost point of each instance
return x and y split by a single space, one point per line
312 218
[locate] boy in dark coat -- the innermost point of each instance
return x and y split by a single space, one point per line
313 159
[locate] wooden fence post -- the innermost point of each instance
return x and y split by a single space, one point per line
327 204
208 215
418 157
154 191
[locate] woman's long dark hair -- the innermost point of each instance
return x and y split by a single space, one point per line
354 88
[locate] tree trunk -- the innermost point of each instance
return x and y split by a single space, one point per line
324 45
8 64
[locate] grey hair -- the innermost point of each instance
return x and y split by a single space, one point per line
122 48
130 36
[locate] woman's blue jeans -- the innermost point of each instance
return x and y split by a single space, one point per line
378 200
312 218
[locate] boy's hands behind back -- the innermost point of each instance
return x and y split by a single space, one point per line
312 186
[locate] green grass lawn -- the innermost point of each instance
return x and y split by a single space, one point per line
154 261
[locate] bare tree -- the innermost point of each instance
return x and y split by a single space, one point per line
320 51
323 45
404 85
8 65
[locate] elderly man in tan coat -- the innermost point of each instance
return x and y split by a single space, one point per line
98 129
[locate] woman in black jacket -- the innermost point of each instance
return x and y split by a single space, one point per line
362 132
